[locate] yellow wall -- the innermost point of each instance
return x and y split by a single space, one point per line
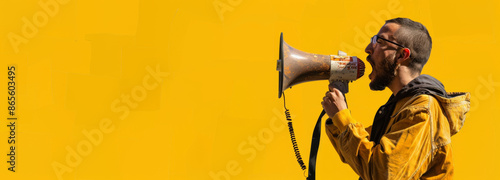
185 89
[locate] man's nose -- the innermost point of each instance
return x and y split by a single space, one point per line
369 48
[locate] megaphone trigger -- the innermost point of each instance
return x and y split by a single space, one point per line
342 86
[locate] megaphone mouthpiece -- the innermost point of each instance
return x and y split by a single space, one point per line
346 67
361 69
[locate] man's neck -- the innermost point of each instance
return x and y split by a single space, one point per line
403 77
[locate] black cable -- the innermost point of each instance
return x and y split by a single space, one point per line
292 136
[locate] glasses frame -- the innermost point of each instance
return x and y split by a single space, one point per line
375 37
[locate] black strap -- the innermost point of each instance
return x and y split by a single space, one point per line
314 148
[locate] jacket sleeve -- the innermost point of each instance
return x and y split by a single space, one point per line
401 152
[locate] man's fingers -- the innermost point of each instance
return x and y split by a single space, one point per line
334 90
338 93
327 100
327 92
331 96
331 87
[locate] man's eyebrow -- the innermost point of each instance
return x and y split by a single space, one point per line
384 35
391 37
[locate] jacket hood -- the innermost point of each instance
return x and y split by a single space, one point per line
455 108
454 104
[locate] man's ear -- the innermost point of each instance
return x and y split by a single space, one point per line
404 55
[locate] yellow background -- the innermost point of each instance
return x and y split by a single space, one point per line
220 88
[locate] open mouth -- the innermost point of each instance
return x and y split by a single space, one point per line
370 76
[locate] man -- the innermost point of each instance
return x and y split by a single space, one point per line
411 134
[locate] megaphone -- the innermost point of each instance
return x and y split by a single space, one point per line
296 67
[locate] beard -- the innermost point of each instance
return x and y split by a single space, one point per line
387 73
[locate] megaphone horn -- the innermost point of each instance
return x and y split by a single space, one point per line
296 67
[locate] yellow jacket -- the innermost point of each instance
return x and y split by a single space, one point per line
416 143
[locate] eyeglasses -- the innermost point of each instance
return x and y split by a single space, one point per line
374 41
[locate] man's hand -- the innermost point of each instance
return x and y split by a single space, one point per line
333 102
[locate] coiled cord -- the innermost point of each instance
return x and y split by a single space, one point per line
292 136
